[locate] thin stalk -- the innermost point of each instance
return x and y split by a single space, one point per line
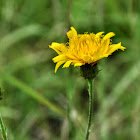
90 83
3 129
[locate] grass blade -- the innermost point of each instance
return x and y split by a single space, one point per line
22 86
3 129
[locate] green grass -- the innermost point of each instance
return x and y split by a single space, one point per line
38 104
3 129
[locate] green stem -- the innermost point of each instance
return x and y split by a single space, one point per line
90 83
3 129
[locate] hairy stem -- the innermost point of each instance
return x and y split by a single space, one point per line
90 83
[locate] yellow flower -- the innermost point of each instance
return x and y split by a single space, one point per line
84 48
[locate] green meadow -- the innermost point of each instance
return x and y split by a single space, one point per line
38 104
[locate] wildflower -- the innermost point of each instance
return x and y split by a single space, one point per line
83 49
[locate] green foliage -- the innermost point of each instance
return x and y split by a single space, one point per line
35 100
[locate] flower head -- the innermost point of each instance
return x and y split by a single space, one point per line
84 49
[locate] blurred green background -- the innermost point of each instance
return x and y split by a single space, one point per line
38 104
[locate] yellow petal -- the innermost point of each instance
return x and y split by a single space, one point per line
109 35
92 35
87 58
70 56
78 64
58 47
67 64
96 56
99 34
72 33
105 45
58 65
114 47
59 58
